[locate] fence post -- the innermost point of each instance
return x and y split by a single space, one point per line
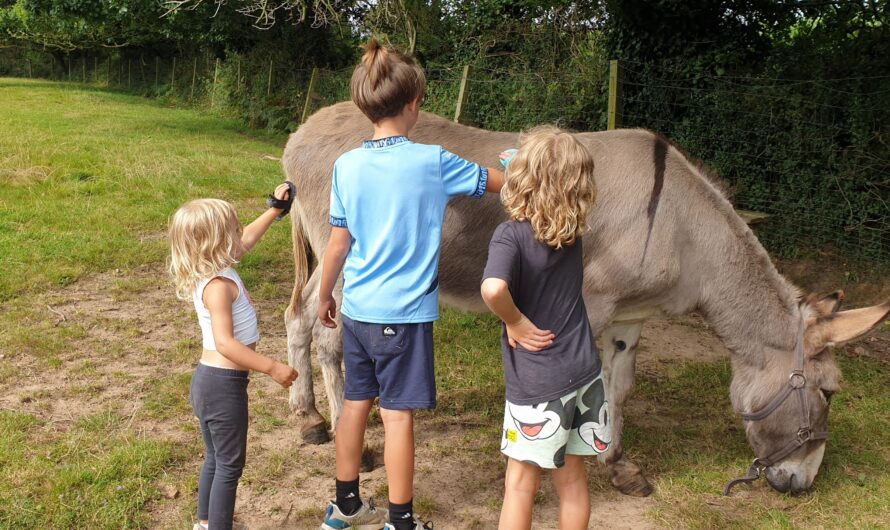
213 90
157 71
95 68
194 76
462 94
129 73
310 94
238 77
614 94
68 57
83 69
269 83
30 73
173 76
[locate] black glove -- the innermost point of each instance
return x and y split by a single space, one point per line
283 205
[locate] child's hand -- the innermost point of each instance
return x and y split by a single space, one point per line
327 312
282 199
282 192
506 156
283 374
526 334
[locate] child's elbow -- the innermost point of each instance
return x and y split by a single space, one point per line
492 289
224 345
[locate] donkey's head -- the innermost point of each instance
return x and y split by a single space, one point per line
785 400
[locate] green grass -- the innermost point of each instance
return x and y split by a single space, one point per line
90 179
96 475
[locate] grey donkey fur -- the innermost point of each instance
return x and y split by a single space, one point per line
662 238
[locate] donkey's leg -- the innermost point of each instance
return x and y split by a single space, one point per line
619 355
299 339
329 348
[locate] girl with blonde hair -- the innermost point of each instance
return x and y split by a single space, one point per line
556 411
206 241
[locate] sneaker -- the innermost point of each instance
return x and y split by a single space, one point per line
235 526
368 517
418 525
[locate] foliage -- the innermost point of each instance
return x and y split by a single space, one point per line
787 106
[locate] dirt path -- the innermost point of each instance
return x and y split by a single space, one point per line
131 346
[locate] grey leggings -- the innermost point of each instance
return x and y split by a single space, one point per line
219 399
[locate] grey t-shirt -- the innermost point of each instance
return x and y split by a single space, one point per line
546 285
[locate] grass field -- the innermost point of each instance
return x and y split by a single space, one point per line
95 357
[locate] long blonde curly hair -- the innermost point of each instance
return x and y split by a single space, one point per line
549 183
205 238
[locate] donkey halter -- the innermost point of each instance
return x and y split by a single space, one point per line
796 383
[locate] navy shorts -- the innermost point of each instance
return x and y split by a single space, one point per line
392 361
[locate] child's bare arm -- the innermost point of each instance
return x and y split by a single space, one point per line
495 180
254 231
334 257
218 297
520 330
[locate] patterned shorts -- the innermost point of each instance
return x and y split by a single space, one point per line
575 424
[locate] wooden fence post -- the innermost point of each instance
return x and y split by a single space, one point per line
30 72
615 99
238 77
157 71
69 67
83 69
173 75
269 82
95 68
194 76
310 95
213 90
462 94
129 73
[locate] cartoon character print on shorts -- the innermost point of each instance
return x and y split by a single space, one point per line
593 425
541 421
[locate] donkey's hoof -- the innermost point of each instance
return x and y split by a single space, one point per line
634 484
372 458
628 478
316 434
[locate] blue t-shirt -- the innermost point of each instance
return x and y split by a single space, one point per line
391 196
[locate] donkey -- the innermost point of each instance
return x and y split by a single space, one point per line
662 237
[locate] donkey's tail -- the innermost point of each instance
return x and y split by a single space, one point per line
301 264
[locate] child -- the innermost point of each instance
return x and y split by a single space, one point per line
387 208
556 411
206 240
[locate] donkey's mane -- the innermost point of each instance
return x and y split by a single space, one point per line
788 293
700 168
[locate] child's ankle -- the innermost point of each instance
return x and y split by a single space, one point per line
401 516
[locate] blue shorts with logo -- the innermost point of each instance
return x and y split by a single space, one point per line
392 361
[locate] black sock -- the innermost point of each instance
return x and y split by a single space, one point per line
401 516
348 499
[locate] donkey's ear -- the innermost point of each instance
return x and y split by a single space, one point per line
827 304
838 328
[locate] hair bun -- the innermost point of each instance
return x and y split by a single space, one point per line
375 61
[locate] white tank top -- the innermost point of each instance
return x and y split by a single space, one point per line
244 321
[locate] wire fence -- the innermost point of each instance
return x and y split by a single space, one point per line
812 154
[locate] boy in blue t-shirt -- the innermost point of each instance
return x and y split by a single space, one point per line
388 204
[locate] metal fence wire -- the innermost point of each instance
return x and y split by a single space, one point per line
812 154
